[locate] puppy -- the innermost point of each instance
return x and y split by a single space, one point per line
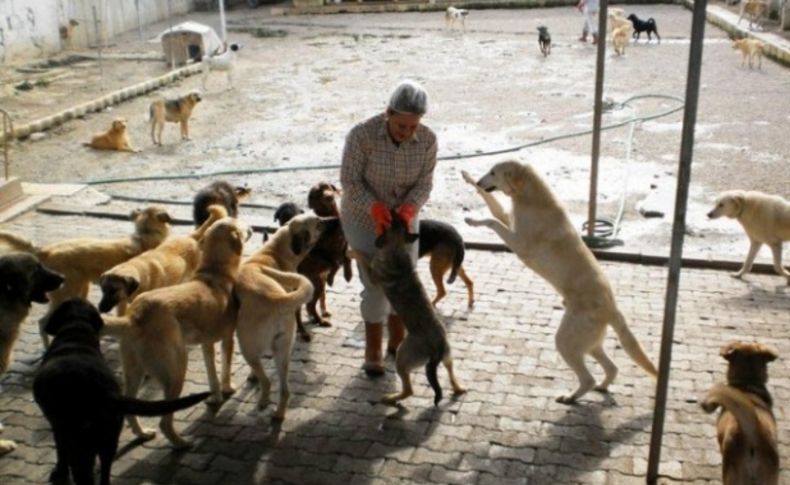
426 338
116 138
25 280
82 261
224 61
540 233
80 396
746 428
160 324
175 110
219 192
750 49
755 10
446 247
620 39
640 26
765 219
453 15
269 292
544 40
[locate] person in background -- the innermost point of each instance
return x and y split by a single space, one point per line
589 8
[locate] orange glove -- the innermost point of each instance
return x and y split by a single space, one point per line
406 213
381 216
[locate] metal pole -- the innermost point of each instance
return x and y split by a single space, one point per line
170 45
8 136
222 22
678 231
139 19
99 43
600 62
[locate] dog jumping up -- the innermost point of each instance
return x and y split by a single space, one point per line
453 15
544 40
649 26
221 61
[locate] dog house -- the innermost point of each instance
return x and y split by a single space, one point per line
189 41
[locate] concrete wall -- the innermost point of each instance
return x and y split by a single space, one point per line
31 28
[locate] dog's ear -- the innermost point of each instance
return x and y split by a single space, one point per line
729 351
135 214
130 285
236 241
516 177
738 200
299 242
337 191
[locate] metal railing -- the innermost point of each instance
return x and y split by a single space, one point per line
8 137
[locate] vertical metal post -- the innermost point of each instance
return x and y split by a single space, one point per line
8 136
99 43
600 62
139 19
170 45
223 30
678 231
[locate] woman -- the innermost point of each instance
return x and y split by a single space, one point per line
388 163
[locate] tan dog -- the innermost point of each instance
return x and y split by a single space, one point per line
746 428
620 36
82 261
170 263
540 233
269 292
751 49
764 217
755 10
176 110
116 138
617 19
160 323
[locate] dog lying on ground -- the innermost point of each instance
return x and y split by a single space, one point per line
175 110
170 263
221 61
426 338
620 39
649 26
25 280
269 292
540 233
219 192
755 10
765 219
161 323
453 15
751 49
446 247
746 427
82 261
544 40
80 396
116 138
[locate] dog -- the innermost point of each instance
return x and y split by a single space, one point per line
544 40
25 280
269 292
649 26
67 33
116 138
765 219
170 263
617 19
287 211
175 110
755 10
160 324
219 192
620 39
426 338
453 15
82 261
746 428
540 233
750 49
221 61
80 396
446 248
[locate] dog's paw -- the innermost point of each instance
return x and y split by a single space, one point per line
474 222
6 447
566 400
468 178
146 434
228 390
602 389
737 276
305 336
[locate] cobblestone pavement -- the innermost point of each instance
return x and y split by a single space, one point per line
507 429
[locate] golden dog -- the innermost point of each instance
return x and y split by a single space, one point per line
746 427
269 292
176 110
116 138
82 261
539 232
755 10
751 49
159 324
620 36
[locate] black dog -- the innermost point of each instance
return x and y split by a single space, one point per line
287 211
446 247
544 40
219 192
81 398
640 26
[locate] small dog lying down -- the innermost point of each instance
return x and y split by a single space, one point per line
446 247
453 15
764 217
426 339
751 49
224 61
544 40
649 26
218 192
81 398
116 138
746 428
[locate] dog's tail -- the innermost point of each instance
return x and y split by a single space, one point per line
631 344
215 213
738 404
18 243
138 407
115 326
297 290
458 259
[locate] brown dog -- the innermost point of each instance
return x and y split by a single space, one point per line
446 247
82 261
746 427
219 192
116 138
161 323
176 110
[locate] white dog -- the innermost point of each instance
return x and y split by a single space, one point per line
453 15
766 220
540 233
225 61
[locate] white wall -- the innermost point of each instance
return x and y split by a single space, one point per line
31 28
